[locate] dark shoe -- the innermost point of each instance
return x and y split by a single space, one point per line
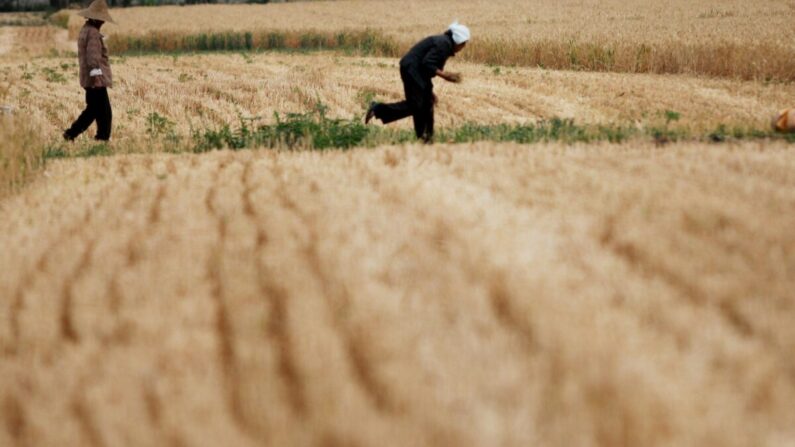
67 136
370 113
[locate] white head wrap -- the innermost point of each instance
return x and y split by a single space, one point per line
460 32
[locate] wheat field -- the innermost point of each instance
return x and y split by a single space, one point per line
482 294
643 21
734 38
586 295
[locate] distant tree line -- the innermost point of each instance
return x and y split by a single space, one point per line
44 5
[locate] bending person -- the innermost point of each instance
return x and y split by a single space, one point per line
95 74
417 69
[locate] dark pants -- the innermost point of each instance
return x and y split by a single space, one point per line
418 104
97 109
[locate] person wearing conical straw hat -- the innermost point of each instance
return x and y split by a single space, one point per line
418 67
95 74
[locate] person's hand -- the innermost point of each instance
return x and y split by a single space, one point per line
454 77
435 99
96 77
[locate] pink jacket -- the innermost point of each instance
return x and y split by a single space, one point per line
92 54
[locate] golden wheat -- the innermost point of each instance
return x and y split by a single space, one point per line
644 21
21 154
713 37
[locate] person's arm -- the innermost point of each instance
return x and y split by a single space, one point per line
434 60
94 57
449 76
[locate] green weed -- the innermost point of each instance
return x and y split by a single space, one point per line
365 97
159 127
313 130
92 150
53 76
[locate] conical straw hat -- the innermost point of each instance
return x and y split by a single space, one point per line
97 10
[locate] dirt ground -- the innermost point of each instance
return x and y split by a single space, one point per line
485 295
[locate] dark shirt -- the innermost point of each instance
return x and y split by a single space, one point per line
429 55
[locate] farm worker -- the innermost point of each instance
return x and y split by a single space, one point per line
95 74
417 69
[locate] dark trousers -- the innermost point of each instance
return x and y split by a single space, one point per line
418 104
97 109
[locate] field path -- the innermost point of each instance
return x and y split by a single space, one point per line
594 295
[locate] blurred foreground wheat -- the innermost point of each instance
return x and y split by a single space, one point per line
21 152
463 296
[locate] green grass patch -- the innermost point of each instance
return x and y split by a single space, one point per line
51 75
315 130
92 150
312 130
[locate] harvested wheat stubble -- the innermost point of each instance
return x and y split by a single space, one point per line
586 295
210 90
